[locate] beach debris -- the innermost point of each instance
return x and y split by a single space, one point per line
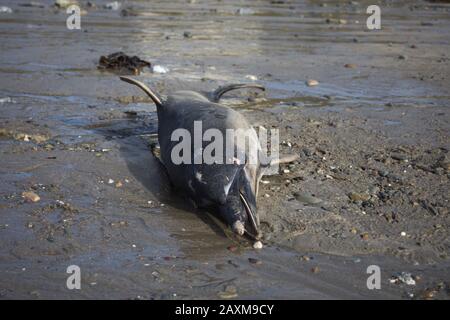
115 5
4 9
159 69
312 83
121 63
21 136
232 248
251 77
350 65
30 196
187 34
258 245
315 269
403 277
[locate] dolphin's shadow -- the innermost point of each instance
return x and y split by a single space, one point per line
130 134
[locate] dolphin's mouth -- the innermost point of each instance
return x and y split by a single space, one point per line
254 233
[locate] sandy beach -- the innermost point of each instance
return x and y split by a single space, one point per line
371 186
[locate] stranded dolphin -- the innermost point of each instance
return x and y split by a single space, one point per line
230 186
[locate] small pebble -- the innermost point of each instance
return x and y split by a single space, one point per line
306 198
355 196
230 292
404 277
305 258
30 196
245 11
365 236
251 77
254 261
258 245
428 294
5 10
312 83
315 270
112 6
160 69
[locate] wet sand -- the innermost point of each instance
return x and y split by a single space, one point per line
370 188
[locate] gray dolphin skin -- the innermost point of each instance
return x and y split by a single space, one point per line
229 189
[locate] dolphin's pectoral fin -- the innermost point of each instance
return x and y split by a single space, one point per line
152 142
215 96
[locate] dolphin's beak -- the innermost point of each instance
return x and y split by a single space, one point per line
248 200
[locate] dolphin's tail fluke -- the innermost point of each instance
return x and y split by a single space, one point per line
215 96
154 96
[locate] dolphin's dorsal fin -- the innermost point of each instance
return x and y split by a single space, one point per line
215 96
154 96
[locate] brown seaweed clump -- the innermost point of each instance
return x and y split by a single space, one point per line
121 63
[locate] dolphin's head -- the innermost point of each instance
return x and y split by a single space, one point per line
239 210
